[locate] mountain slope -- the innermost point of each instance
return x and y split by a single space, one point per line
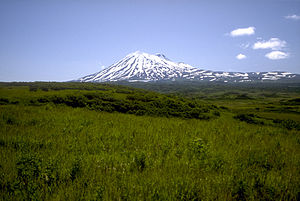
139 66
142 66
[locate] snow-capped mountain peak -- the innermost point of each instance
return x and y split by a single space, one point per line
141 66
161 56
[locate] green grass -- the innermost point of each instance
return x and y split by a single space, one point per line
57 152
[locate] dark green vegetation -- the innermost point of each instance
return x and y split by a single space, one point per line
107 98
71 141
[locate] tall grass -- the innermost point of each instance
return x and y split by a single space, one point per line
56 152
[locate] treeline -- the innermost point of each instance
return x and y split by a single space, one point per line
108 98
57 86
255 119
211 89
136 103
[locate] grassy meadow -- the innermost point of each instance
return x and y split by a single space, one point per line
76 141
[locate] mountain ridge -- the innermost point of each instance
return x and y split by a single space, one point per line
144 67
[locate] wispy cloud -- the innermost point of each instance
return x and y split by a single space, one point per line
273 43
243 31
275 55
101 65
245 45
292 17
241 56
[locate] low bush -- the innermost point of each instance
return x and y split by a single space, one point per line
248 118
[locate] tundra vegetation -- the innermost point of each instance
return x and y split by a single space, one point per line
86 141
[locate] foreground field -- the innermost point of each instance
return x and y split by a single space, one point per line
57 152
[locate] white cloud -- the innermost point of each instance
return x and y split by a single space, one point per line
292 17
245 45
273 43
274 55
241 56
242 31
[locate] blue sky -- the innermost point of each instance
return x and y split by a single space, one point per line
67 39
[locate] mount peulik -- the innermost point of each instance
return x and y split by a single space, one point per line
139 66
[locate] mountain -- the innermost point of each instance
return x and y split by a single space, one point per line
140 66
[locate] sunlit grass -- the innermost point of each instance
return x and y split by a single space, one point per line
83 154
56 152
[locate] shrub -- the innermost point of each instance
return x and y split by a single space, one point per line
75 170
248 118
288 123
140 161
239 190
4 101
199 148
217 113
28 174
